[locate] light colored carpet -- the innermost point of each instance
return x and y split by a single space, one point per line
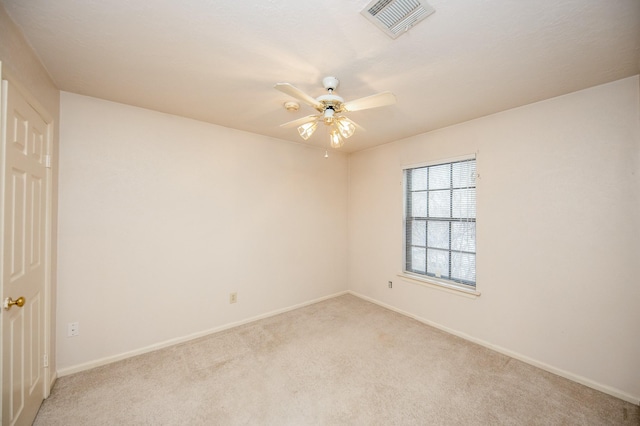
343 361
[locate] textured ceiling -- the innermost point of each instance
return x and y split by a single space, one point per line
217 61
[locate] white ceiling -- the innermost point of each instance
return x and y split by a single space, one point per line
217 61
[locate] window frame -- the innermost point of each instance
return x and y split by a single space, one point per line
424 279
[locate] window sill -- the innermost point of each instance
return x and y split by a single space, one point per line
439 285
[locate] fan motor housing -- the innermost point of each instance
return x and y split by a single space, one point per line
333 101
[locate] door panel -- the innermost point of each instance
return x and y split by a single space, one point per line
25 144
15 215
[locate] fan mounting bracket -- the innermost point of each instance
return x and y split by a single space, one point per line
330 83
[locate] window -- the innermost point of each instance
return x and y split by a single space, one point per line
440 222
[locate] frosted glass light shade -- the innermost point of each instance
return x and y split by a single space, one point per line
345 127
335 139
307 129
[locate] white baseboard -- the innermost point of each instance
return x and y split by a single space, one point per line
110 359
566 374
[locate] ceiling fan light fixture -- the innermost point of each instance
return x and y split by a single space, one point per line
339 126
328 115
345 127
335 139
307 129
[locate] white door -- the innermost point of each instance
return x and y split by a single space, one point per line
24 147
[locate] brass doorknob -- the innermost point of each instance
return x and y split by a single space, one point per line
9 302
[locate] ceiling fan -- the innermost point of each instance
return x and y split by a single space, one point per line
330 108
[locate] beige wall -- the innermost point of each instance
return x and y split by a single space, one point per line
21 64
558 239
162 217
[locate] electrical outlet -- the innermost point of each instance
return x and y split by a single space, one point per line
233 297
73 329
390 284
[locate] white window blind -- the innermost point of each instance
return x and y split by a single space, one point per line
440 221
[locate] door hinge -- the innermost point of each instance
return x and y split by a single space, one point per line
47 161
46 360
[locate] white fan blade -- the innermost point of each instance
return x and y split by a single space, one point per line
298 94
300 121
373 101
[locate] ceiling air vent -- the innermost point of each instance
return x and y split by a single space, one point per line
394 17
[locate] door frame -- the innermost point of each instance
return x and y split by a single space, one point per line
49 369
